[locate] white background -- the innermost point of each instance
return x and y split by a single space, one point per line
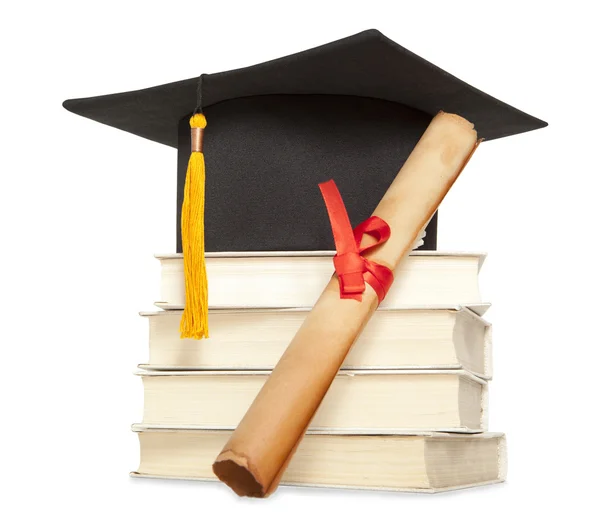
83 208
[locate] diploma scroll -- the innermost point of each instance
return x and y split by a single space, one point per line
257 453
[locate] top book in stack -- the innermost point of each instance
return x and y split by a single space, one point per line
296 279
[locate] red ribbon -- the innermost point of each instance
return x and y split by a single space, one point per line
354 270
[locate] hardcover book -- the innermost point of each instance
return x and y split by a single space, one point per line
296 279
359 401
255 339
427 462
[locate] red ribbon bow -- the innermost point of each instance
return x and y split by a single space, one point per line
352 269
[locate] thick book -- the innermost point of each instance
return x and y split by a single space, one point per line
255 339
423 463
359 401
296 280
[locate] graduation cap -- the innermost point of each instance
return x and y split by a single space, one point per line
351 110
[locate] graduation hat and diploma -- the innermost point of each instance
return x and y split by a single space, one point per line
362 111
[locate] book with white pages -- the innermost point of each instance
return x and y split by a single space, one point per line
364 401
425 462
296 279
254 339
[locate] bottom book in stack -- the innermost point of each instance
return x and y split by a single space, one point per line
427 462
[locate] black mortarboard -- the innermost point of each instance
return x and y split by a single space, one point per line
351 110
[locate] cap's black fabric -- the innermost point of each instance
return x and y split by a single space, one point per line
367 64
265 156
351 110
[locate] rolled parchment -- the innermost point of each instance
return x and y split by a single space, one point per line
256 455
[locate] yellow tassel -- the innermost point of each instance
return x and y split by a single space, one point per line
194 322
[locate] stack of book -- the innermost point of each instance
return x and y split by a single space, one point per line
407 411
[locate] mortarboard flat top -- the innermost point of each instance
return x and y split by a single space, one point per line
351 110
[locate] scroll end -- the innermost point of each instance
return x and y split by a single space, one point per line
232 469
